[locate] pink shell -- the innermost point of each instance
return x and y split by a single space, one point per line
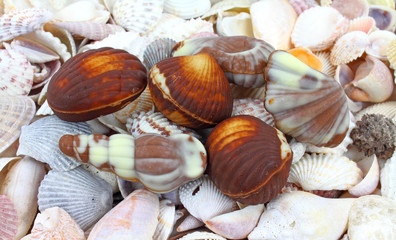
302 5
90 30
8 218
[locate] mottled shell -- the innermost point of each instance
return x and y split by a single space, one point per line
180 86
90 30
306 104
237 143
252 107
242 58
8 218
157 51
349 47
95 83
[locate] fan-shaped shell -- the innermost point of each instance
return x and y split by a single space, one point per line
237 143
157 51
166 219
327 68
90 30
252 107
8 218
325 172
388 109
187 8
365 24
300 6
388 178
349 47
85 197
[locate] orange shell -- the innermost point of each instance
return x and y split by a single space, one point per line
307 56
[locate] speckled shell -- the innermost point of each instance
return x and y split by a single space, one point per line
85 197
252 107
262 172
306 104
157 51
8 218
242 58
187 8
90 30
349 47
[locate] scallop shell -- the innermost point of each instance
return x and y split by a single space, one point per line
301 98
56 223
300 6
85 197
187 8
379 43
138 15
201 235
231 24
349 47
90 30
365 24
273 22
325 172
136 215
8 218
166 219
157 51
15 112
203 200
317 28
252 107
385 17
16 72
388 178
19 22
40 140
327 68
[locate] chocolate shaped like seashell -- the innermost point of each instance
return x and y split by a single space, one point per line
191 90
242 58
255 152
306 104
160 163
95 83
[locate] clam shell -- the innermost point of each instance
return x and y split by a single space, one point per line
34 51
380 43
365 24
8 218
56 223
252 107
187 8
166 219
40 140
386 3
317 28
15 112
325 172
385 17
199 235
388 109
19 22
349 47
371 177
85 197
138 15
157 51
203 200
228 24
136 215
301 99
300 6
327 68
90 30
388 178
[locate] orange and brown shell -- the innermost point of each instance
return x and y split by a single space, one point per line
248 159
94 83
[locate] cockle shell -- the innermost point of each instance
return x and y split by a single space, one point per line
385 17
349 47
85 197
136 216
186 8
166 219
306 104
44 147
233 24
157 51
379 43
252 107
8 218
371 177
325 172
90 30
388 178
160 163
19 22
198 235
317 28
273 22
365 24
56 223
203 200
302 215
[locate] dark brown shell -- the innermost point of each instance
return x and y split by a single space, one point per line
94 83
192 91
248 159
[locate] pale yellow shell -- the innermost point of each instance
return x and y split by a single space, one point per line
388 109
386 3
391 53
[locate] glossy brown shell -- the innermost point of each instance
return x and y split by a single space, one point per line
94 83
192 91
248 159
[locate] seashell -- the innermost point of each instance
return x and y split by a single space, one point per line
371 217
386 3
302 215
237 224
157 51
371 81
166 219
365 24
12 5
19 22
317 28
252 107
33 51
349 47
56 223
307 56
138 15
234 24
91 30
109 177
325 172
44 147
8 218
371 177
391 53
298 150
173 198
126 187
20 186
64 36
84 196
202 34
172 82
203 200
92 97
379 43
273 22
199 235
351 9
302 101
239 92
137 216
159 162
187 9
111 122
235 142
229 6
15 112
388 179
300 6
388 109
327 68
190 222
385 17
241 58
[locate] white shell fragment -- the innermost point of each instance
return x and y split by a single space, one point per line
8 218
371 178
388 178
187 8
198 235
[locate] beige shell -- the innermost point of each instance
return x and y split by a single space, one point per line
388 109
199 235
166 220
386 3
90 30
325 172
327 68
388 178
8 218
379 43
230 24
370 168
349 47
391 53
187 8
228 6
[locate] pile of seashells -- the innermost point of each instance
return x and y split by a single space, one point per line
204 119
